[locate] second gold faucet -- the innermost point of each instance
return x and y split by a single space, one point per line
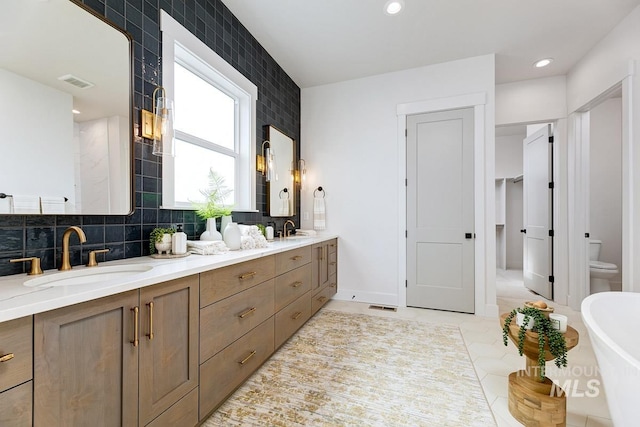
65 263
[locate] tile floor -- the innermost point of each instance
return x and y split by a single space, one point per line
494 362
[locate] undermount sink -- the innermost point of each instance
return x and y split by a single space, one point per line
88 275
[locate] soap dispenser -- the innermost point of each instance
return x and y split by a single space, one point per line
179 242
268 231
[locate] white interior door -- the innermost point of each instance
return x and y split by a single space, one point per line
538 212
440 217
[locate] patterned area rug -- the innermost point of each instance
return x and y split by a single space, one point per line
344 369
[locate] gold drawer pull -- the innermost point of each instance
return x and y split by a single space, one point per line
333 245
296 315
135 311
297 284
6 357
295 258
332 263
150 334
246 359
322 299
247 275
333 285
246 313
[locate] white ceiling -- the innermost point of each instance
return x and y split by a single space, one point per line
325 41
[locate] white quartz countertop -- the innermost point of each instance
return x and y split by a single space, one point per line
18 300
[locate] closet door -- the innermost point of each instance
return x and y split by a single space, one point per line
440 216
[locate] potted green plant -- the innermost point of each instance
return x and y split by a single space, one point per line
160 239
549 339
213 206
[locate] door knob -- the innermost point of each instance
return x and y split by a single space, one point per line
468 235
586 235
524 230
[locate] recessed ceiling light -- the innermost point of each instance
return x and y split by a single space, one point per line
543 62
393 7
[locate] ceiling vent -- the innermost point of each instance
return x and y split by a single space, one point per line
76 81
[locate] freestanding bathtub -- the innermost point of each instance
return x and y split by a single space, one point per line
613 322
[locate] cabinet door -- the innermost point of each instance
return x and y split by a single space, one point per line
85 364
319 266
168 345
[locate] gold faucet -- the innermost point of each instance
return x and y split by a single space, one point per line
66 265
285 227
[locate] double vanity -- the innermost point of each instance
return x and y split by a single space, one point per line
153 342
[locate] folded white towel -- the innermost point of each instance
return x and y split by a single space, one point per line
202 247
26 205
309 233
52 205
319 222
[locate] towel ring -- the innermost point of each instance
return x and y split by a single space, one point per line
319 189
284 190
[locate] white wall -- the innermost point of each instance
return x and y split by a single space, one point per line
509 155
47 131
527 101
349 139
616 58
606 180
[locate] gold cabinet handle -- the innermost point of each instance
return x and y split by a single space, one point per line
333 245
333 285
321 249
332 263
297 284
295 258
246 313
6 357
150 334
246 359
247 275
296 315
135 311
322 299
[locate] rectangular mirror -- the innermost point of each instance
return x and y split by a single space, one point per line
65 111
280 186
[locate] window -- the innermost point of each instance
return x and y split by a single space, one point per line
214 122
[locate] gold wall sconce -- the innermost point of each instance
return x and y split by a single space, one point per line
265 161
158 125
300 176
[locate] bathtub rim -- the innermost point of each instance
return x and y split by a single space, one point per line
600 334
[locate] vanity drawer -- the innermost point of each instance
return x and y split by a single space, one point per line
322 297
16 352
286 261
333 246
291 285
224 282
16 406
290 318
183 413
223 373
225 321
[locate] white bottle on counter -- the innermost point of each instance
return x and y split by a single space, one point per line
269 232
179 242
232 236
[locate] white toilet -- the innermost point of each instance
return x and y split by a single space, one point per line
600 272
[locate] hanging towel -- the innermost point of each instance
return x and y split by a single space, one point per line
284 207
52 205
25 205
6 205
318 213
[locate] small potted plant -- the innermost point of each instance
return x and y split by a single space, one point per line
213 207
551 342
160 240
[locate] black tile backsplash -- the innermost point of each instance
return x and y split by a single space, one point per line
127 236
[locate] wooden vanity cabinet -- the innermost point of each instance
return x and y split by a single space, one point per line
16 370
95 363
325 273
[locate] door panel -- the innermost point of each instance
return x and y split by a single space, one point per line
440 260
538 214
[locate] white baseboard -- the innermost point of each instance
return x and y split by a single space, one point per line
366 297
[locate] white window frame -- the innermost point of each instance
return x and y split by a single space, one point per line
176 40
